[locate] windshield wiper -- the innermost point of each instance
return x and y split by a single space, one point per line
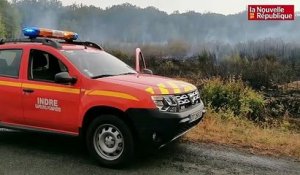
102 76
110 75
127 73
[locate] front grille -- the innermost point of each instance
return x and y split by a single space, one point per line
188 100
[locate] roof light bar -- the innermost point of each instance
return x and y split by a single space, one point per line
34 32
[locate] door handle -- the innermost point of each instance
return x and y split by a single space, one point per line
28 90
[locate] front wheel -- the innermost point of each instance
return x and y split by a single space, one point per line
110 141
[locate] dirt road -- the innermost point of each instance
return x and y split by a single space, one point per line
28 153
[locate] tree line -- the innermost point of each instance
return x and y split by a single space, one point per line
127 23
177 44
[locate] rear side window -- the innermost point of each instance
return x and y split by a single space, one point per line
10 63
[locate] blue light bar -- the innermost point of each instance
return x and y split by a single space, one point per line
33 32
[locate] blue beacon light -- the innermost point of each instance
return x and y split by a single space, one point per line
33 32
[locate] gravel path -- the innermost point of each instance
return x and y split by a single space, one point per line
31 153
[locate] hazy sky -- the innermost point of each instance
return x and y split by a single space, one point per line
217 6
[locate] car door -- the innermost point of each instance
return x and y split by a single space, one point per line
49 105
10 86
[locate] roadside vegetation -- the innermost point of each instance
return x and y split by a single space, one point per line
251 88
237 116
222 128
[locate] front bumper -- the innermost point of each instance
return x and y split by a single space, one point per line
157 128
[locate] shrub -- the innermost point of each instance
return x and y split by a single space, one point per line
234 96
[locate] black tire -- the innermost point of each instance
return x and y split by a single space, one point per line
105 131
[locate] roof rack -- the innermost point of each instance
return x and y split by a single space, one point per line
84 43
50 42
44 41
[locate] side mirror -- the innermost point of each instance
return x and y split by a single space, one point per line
140 63
147 71
64 78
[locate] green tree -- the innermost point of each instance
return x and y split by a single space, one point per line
9 20
2 28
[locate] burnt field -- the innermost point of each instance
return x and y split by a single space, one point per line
284 103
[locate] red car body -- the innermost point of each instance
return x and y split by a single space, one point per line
68 108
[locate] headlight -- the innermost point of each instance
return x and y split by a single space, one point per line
166 103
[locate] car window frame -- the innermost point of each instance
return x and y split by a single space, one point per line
30 67
21 59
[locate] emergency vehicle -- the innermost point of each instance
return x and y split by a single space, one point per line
50 82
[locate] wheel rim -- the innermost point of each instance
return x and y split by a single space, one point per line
108 142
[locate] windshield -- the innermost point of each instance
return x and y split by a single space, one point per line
97 64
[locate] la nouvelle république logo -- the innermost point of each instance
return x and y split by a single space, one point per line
271 12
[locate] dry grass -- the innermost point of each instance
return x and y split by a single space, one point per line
245 134
291 86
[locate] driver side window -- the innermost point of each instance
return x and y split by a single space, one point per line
44 66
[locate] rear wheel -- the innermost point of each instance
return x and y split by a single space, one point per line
110 141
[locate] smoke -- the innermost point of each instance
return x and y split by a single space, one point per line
40 13
126 25
49 20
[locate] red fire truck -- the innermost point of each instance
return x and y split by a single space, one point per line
50 82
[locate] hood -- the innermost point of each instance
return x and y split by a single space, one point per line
154 84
